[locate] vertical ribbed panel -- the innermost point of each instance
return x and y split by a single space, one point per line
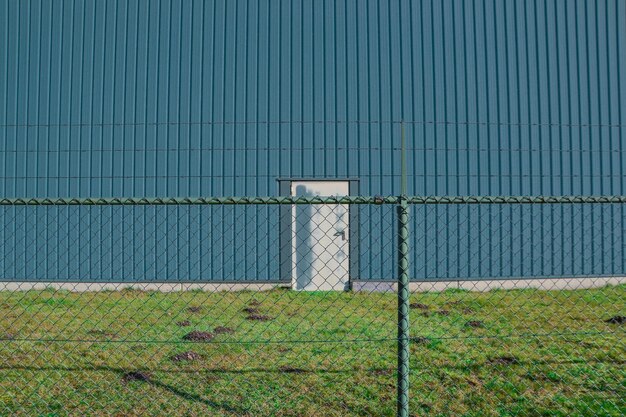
167 98
161 98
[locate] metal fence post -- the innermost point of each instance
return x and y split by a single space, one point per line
403 308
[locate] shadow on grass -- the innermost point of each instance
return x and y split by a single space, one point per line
171 389
122 371
145 376
152 381
194 397
289 370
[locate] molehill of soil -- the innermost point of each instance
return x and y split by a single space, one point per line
290 370
197 336
136 376
186 356
503 360
223 330
259 317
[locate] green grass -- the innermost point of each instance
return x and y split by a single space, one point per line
538 353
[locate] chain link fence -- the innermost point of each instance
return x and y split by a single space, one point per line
309 306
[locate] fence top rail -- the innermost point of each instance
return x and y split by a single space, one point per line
141 201
566 199
136 201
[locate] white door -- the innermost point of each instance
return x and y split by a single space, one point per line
320 232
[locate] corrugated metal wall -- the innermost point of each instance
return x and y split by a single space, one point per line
168 98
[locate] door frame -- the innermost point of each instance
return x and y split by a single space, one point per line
285 228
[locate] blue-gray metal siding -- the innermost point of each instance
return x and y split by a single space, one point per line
168 98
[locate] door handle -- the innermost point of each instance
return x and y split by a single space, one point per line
341 233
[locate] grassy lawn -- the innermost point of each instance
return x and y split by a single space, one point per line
500 353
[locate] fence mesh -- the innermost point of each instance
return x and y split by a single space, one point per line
288 306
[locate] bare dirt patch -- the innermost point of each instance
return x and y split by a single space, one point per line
223 330
136 376
420 340
443 312
254 302
184 323
101 333
186 356
475 324
616 320
7 336
381 372
194 309
197 336
254 314
419 306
